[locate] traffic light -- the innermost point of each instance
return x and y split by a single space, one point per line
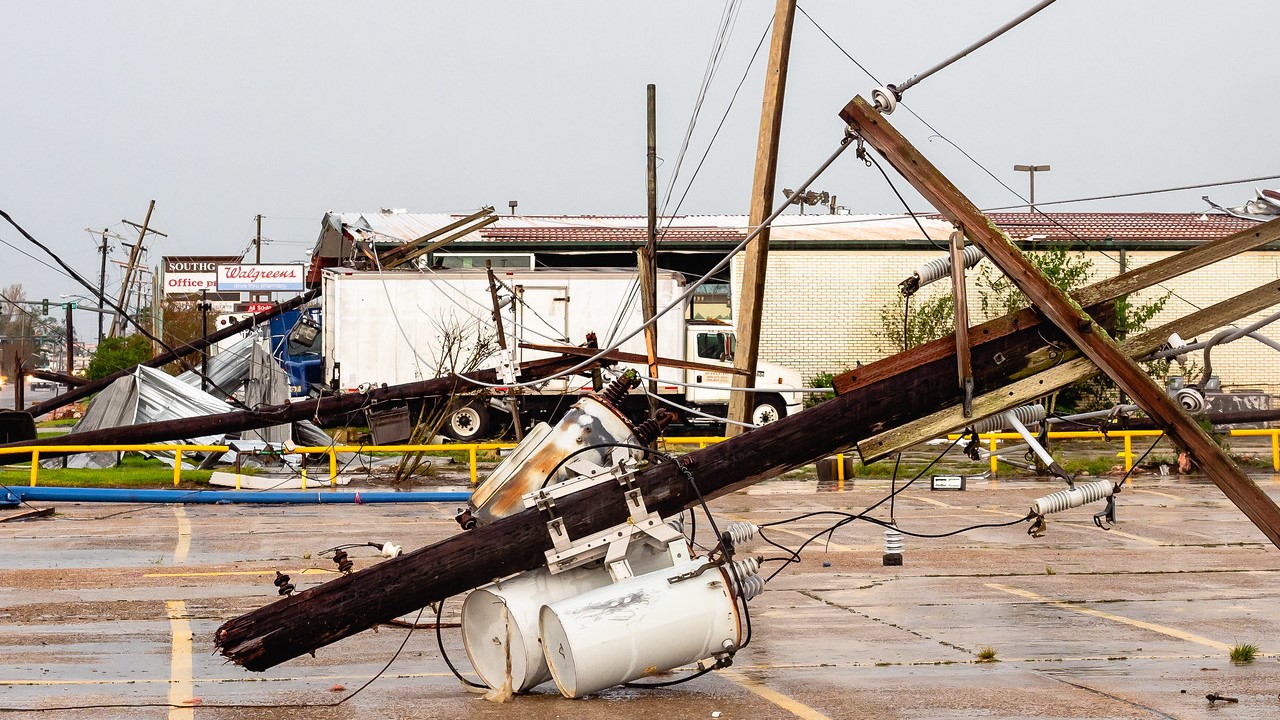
44 306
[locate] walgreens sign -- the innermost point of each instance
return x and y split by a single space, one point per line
259 278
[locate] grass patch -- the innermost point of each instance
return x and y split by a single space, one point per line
1094 466
64 422
135 471
1243 653
987 654
1048 570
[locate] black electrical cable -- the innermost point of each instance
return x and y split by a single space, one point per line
103 299
444 654
876 163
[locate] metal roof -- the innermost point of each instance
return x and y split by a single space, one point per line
1120 227
826 230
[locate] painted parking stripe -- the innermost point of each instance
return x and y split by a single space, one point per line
786 702
180 682
1162 629
184 536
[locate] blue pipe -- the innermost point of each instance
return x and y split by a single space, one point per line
295 497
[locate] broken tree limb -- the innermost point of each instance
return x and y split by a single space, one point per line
181 351
1065 313
1100 292
1040 384
288 412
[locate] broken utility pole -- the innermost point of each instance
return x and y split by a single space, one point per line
118 323
1090 338
751 299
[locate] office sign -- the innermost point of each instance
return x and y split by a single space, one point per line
189 274
261 278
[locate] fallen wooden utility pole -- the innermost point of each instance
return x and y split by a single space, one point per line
289 412
1100 292
1060 376
195 346
65 379
1090 338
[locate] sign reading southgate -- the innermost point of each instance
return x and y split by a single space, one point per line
261 278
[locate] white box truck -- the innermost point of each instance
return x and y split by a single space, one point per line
398 327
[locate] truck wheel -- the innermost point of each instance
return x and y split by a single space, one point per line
469 422
768 409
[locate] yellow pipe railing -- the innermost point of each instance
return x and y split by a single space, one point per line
472 449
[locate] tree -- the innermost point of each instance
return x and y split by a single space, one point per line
118 353
997 295
26 332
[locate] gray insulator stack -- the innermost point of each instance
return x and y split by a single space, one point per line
1081 494
1027 414
745 575
935 270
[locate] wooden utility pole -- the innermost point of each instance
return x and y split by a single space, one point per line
102 283
257 251
647 257
512 404
118 323
1090 338
751 301
961 297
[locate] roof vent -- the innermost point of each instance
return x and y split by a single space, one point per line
393 211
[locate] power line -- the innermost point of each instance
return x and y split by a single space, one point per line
1199 186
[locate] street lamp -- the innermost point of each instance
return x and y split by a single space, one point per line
1031 170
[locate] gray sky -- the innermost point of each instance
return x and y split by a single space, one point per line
220 111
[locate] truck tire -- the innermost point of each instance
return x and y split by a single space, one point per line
769 408
469 423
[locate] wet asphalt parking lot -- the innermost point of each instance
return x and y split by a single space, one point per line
116 605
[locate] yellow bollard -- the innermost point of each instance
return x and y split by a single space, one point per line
471 455
333 468
1275 450
840 472
177 468
35 466
994 461
1128 455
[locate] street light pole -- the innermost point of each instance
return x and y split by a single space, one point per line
1031 170
71 340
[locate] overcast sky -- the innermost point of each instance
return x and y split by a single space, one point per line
220 111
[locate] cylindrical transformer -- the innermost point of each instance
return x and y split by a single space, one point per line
589 422
640 626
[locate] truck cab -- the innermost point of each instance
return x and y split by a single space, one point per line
715 343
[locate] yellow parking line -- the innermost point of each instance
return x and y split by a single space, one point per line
829 545
1163 630
180 684
1153 492
941 504
184 536
791 705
